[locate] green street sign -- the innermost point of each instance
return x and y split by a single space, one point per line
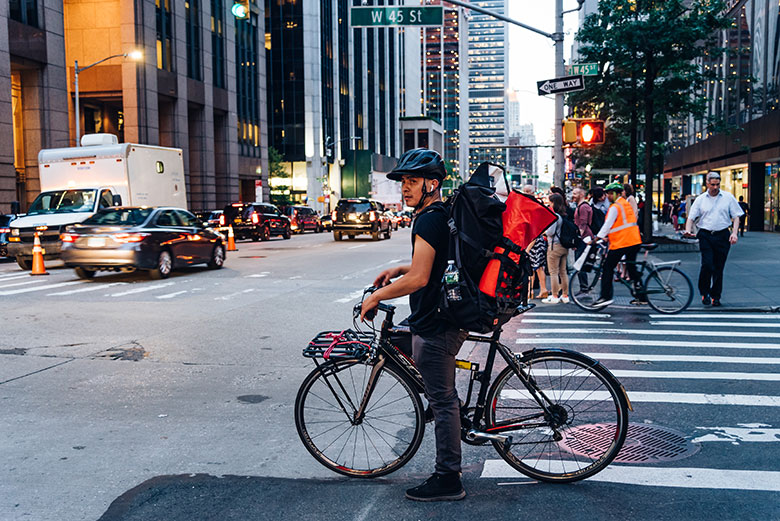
585 69
397 16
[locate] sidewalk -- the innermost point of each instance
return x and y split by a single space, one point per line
752 275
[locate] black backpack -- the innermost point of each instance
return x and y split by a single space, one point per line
569 234
597 221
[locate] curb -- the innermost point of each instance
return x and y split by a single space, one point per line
725 309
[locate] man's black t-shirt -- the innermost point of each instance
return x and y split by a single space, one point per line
430 225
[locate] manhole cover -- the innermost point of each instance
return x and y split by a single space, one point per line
134 354
644 443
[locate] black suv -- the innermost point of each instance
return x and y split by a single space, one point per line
303 218
355 216
256 221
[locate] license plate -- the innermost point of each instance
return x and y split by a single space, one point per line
96 242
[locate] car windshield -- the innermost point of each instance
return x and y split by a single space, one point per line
120 216
63 201
354 207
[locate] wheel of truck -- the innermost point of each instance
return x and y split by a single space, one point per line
265 233
287 233
388 233
375 235
256 236
337 236
164 266
25 264
84 273
350 237
217 257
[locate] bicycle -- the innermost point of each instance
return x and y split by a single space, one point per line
667 288
552 414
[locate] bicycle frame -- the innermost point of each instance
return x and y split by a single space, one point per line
643 266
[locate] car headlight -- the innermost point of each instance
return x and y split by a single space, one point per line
15 232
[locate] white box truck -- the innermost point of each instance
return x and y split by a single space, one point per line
77 182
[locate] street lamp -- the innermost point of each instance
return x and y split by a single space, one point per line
133 55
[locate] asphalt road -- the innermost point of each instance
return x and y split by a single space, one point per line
125 398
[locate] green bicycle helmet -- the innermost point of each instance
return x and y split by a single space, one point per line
613 187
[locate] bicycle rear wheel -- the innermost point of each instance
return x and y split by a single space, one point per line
668 290
586 425
585 290
382 441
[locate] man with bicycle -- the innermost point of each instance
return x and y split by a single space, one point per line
620 225
435 343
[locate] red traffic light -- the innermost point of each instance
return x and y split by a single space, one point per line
591 132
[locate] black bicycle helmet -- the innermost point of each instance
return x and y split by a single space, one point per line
420 162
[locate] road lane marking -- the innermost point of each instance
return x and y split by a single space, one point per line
258 275
652 397
697 375
36 281
773 316
746 432
93 286
648 332
630 342
143 289
40 288
674 477
236 294
554 321
15 277
685 358
296 277
352 296
578 315
171 295
358 246
714 324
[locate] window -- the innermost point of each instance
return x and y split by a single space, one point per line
246 86
186 218
422 138
164 34
106 199
218 42
168 218
24 11
192 16
408 139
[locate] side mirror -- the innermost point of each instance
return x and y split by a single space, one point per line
16 208
116 200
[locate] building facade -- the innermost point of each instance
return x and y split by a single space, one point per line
487 83
200 86
744 99
334 100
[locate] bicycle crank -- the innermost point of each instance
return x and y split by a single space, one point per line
479 436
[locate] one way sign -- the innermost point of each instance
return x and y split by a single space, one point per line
565 84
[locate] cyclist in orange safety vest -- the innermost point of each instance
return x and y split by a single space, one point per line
624 240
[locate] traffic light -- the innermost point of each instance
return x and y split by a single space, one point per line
240 9
590 132
569 131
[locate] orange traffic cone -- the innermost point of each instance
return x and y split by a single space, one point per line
231 240
37 264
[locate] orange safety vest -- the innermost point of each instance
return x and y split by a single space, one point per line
625 232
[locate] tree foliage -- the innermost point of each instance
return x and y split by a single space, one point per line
277 170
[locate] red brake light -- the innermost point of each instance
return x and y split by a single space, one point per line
333 215
125 238
5 230
222 220
255 218
372 216
68 237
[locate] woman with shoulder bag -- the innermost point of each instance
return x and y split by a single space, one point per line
557 255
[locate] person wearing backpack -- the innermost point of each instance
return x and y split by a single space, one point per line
624 239
435 343
558 253
583 218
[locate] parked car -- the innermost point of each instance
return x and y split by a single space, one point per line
129 238
256 221
5 232
358 215
394 219
303 218
210 218
326 221
407 219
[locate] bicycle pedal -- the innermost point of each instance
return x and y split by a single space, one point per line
475 435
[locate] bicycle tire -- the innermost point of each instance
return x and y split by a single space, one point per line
590 435
585 296
666 300
387 442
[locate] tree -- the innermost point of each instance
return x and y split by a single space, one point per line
649 54
278 171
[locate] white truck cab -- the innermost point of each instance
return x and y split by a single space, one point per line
77 182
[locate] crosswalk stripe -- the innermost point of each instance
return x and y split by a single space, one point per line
653 397
16 276
714 324
39 288
772 316
171 295
13 274
685 358
353 296
648 332
143 289
751 433
554 321
577 315
631 342
35 281
93 286
691 477
697 375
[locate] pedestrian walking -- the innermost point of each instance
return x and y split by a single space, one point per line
538 257
628 193
599 199
583 218
557 255
745 215
675 213
713 212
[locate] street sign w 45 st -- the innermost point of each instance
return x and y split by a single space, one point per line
395 16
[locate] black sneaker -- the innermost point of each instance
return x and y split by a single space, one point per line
639 301
438 487
428 414
706 300
602 302
716 302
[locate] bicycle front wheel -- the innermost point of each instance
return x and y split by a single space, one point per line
585 424
585 289
668 290
383 440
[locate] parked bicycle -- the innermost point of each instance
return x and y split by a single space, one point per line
552 414
665 286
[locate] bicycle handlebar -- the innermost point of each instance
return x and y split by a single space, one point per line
386 308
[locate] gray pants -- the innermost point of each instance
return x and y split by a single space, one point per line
435 359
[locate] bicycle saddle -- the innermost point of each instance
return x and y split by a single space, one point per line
650 246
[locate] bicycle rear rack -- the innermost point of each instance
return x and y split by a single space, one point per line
339 344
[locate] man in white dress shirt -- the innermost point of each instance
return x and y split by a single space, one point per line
715 211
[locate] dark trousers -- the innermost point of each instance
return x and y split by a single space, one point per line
742 225
435 359
714 249
613 257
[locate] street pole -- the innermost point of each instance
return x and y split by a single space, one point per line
78 112
559 72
